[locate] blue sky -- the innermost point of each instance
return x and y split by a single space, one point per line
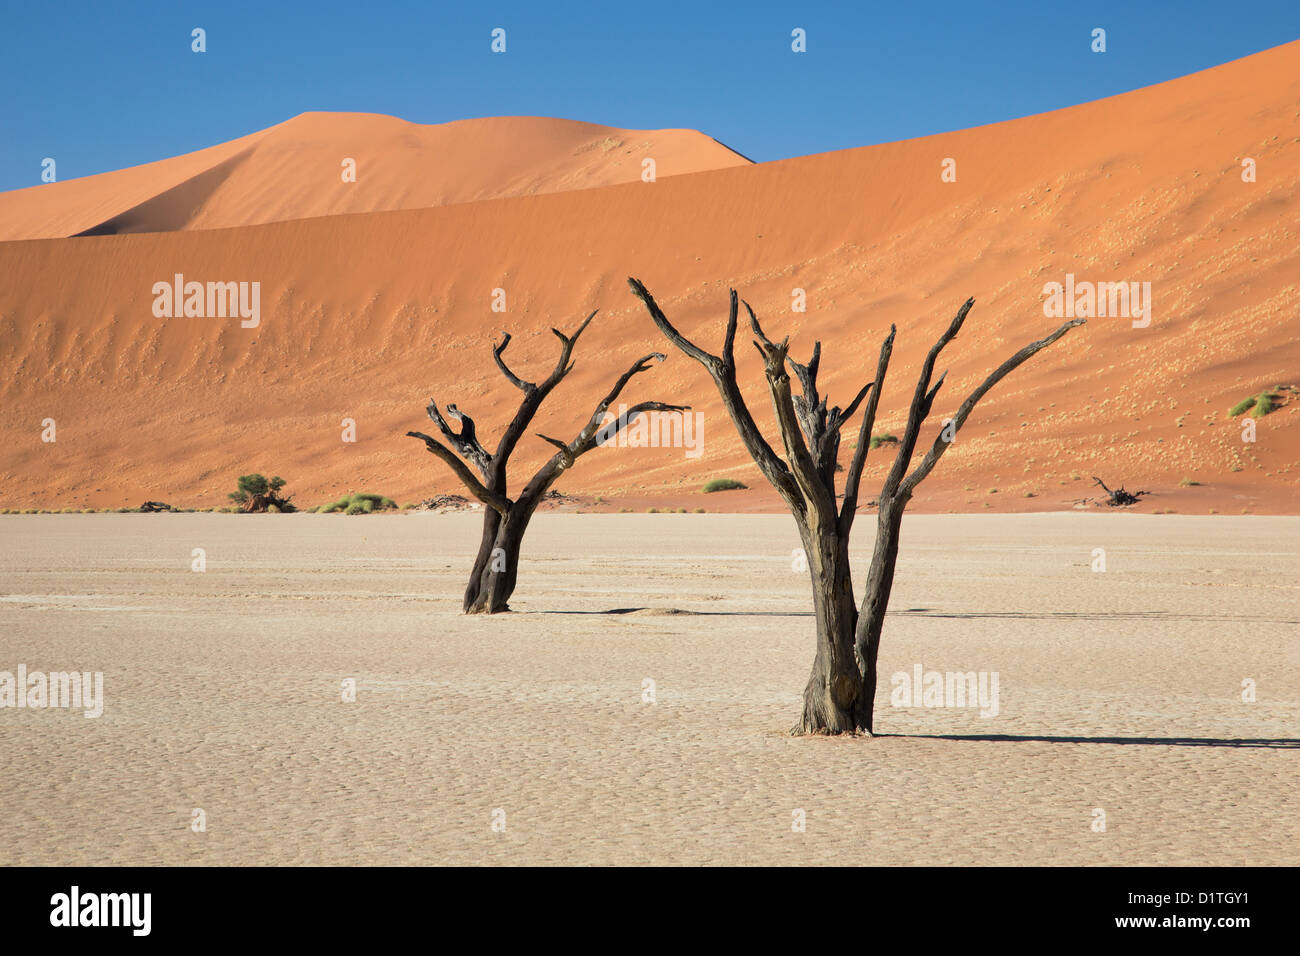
103 85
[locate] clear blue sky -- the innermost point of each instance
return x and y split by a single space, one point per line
102 85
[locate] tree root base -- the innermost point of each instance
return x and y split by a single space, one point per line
827 732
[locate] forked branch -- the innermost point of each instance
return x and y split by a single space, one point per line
944 440
723 371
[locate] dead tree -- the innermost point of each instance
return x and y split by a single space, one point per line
505 519
1119 498
841 690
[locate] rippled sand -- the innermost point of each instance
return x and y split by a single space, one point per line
1120 691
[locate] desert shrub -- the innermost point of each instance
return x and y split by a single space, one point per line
723 484
652 511
1258 405
883 439
1187 483
1241 406
1265 402
361 503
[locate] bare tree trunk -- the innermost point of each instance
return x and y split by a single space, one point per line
830 699
871 621
492 580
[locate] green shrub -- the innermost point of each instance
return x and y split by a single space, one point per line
359 504
1265 402
1262 404
723 484
884 438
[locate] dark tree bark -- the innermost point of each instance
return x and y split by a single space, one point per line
840 693
1119 498
505 519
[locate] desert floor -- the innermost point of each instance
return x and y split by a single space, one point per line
1119 690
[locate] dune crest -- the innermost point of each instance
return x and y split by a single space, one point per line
296 170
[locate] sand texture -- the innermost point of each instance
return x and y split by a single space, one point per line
1119 691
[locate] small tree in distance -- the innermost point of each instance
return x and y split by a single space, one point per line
505 519
257 494
840 694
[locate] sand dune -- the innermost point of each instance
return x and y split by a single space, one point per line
365 316
295 170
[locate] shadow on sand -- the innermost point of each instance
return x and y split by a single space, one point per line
1275 743
957 616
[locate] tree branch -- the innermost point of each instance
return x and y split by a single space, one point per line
592 434
848 510
533 397
466 442
514 379
806 473
940 446
498 503
723 371
922 399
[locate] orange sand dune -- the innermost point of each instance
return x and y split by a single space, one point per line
295 170
364 317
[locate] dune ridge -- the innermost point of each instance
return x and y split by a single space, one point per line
295 170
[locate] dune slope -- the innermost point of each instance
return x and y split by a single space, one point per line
364 317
